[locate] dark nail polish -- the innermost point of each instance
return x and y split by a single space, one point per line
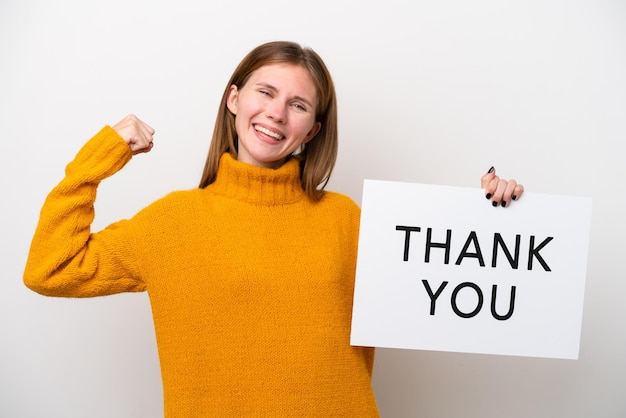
495 204
488 196
491 169
513 197
503 203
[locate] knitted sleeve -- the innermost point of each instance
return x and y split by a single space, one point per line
65 258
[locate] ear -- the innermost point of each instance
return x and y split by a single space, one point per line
231 100
314 130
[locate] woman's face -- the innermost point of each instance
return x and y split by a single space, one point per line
275 113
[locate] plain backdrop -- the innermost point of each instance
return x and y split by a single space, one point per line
429 91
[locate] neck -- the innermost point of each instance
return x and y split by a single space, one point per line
258 185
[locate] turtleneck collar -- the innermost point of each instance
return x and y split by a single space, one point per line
258 185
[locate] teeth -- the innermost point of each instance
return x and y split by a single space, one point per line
268 132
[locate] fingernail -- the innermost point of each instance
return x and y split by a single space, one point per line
503 203
513 197
491 169
488 196
495 204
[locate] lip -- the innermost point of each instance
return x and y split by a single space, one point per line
266 135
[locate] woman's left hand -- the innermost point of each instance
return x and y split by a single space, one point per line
499 191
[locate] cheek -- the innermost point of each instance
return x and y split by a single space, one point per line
242 118
240 125
248 109
307 128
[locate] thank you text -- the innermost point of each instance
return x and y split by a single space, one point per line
439 268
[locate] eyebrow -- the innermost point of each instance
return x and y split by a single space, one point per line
273 88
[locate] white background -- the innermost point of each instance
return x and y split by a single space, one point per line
431 92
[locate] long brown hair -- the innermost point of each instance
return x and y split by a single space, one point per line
317 157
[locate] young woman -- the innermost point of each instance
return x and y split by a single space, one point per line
251 275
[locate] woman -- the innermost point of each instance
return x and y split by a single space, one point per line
251 275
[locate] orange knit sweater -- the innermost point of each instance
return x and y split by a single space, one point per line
250 283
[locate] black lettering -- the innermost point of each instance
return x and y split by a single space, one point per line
478 254
494 291
479 306
534 252
497 241
407 238
433 297
430 244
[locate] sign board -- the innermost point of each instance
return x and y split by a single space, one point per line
440 269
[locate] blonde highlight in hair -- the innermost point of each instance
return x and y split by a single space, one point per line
318 156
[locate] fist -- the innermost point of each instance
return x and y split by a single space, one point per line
136 133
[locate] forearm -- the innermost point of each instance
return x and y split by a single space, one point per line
65 258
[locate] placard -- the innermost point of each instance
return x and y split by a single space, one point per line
440 269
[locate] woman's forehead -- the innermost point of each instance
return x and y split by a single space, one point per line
284 74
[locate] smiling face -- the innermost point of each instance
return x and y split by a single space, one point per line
275 113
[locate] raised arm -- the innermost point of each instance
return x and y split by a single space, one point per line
65 258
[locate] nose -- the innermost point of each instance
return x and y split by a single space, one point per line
277 112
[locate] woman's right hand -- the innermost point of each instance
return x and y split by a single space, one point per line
136 133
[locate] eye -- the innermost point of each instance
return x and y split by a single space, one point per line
300 107
265 92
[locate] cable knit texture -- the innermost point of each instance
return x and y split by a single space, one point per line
250 283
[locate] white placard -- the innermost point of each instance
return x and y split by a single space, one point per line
440 269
